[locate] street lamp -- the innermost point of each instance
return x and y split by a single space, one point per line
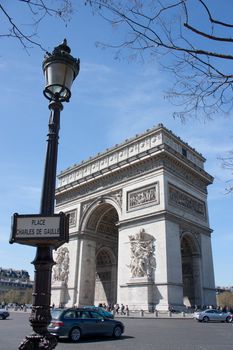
60 70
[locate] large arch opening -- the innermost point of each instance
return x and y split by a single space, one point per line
106 277
190 271
102 223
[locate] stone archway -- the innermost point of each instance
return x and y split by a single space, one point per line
191 271
106 277
155 182
100 255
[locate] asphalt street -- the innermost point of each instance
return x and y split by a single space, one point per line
140 334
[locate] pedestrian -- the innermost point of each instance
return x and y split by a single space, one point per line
116 307
127 310
122 309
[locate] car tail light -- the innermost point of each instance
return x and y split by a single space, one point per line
57 324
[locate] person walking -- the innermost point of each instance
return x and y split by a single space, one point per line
117 308
122 309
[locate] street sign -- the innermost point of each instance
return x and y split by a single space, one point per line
39 230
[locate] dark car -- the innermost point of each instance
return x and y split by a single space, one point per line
4 314
73 323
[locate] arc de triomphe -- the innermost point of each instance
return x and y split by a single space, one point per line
139 228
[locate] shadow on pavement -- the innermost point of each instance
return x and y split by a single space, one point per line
94 339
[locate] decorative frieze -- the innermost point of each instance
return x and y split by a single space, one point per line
138 147
130 172
111 158
179 170
110 180
186 201
143 197
179 147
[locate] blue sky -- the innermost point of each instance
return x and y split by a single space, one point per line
111 100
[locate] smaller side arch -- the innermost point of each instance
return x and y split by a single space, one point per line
192 241
191 269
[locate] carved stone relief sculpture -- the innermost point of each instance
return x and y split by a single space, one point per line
61 269
142 197
73 218
142 248
181 199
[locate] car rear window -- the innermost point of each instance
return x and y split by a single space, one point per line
55 314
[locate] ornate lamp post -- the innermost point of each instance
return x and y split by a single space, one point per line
60 70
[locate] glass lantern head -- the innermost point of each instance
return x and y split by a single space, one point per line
60 70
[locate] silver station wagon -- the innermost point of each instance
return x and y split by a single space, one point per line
212 315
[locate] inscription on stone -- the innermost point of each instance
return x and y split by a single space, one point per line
143 197
187 202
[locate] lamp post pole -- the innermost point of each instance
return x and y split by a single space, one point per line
60 70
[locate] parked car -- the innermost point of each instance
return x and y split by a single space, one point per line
73 323
4 314
212 315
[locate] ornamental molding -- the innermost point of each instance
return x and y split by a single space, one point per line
107 181
85 205
124 174
187 202
112 158
116 196
185 174
138 147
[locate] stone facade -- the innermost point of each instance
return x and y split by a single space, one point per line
139 228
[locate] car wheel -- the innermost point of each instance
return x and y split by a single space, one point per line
228 319
1 317
75 334
205 319
117 332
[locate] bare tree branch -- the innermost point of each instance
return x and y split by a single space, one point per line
224 24
172 32
208 36
39 10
